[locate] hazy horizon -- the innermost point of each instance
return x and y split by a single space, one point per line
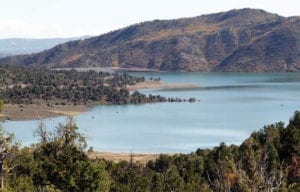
65 18
45 38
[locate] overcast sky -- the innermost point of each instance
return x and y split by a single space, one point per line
68 18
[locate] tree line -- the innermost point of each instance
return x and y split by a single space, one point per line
25 85
267 161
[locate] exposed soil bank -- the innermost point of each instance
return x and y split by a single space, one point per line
39 111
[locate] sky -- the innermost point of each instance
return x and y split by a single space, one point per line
71 18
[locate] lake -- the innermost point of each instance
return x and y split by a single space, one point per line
232 105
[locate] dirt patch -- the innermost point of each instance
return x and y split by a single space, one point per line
36 111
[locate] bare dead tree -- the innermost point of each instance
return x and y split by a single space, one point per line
262 178
41 132
272 181
220 183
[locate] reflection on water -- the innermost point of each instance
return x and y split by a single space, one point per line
284 79
224 87
231 106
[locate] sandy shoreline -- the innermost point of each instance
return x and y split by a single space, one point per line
35 111
159 85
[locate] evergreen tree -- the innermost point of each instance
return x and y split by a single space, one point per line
1 105
62 163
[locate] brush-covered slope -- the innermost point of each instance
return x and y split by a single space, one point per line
275 50
237 40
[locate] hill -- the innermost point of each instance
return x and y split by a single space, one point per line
14 46
237 40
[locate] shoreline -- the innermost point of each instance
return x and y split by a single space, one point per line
159 85
22 112
111 69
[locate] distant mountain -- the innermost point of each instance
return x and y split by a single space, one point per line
237 40
14 46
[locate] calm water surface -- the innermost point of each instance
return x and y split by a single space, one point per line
231 106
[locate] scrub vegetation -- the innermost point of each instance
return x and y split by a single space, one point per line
267 161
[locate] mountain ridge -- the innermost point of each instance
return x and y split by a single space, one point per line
17 46
236 40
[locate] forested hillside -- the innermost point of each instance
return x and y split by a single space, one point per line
267 161
237 40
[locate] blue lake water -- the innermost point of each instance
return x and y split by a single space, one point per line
231 106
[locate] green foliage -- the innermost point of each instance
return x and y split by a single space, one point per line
62 163
291 138
29 85
20 178
267 161
8 149
52 87
1 105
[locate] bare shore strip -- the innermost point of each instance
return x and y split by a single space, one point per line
34 111
160 85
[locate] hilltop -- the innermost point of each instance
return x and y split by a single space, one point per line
237 40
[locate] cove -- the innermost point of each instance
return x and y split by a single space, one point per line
231 106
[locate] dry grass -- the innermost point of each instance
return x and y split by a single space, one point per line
117 157
71 58
166 33
68 113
